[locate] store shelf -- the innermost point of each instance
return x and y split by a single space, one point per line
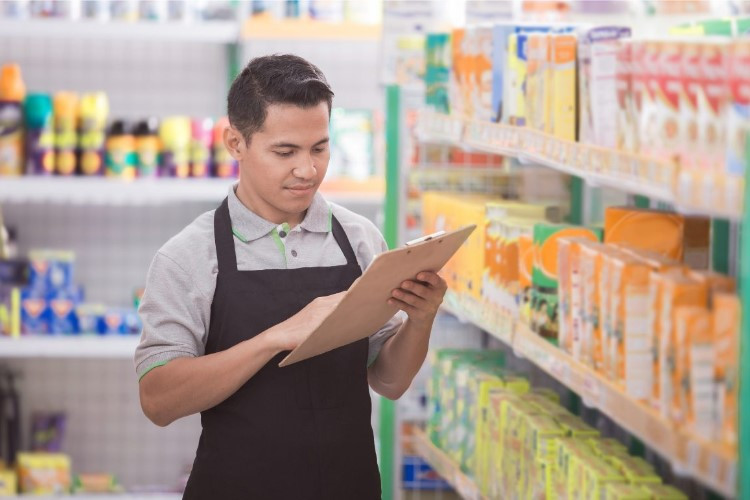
307 29
204 31
712 464
711 194
447 468
44 346
109 496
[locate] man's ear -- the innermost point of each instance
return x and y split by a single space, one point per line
234 142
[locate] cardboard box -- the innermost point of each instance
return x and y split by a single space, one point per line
458 84
713 98
517 61
542 435
437 71
571 298
649 73
604 338
638 70
626 118
630 352
597 475
544 308
481 87
645 229
536 81
690 79
561 99
43 473
8 483
715 282
664 492
624 491
666 86
591 268
738 119
726 327
675 291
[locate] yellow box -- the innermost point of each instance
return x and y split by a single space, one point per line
43 473
542 433
675 291
624 491
635 469
654 230
574 457
726 319
562 101
597 475
629 349
575 427
8 483
537 112
664 492
694 383
607 447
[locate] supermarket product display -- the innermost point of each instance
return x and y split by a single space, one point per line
516 441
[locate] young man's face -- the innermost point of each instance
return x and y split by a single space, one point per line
285 161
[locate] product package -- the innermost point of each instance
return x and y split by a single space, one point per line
738 123
43 473
437 71
645 229
726 320
561 100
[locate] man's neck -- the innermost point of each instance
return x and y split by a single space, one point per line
256 206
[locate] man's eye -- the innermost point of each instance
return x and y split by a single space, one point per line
318 150
284 154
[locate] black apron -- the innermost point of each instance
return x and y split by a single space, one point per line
299 432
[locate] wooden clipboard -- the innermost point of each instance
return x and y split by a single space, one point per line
364 308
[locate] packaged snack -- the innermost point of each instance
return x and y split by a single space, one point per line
712 109
147 147
570 292
597 475
646 229
481 88
51 270
8 483
629 349
590 268
62 303
726 327
121 159
561 101
34 316
92 113
738 120
437 71
47 431
91 319
624 491
542 433
96 483
43 473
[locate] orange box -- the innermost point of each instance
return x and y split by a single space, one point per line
726 327
570 291
655 260
591 259
715 282
606 325
654 230
630 353
526 263
675 290
693 380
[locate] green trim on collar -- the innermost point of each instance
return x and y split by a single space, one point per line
330 219
239 236
279 244
155 365
285 227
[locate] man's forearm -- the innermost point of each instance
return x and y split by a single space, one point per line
185 386
400 359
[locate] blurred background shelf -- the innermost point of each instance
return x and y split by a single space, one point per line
86 346
107 496
203 31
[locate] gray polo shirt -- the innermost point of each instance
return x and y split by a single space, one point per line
176 306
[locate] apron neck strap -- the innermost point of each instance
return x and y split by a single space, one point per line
343 241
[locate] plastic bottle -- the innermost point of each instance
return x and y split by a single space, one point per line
147 147
12 93
175 133
93 111
120 151
224 165
66 133
40 138
200 147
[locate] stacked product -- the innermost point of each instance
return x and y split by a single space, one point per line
642 309
518 442
52 304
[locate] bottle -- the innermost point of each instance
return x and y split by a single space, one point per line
175 133
224 165
200 147
66 133
40 139
147 147
93 111
12 93
120 151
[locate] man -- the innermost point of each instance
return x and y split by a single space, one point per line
238 288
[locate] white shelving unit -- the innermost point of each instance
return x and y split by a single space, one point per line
93 496
201 31
79 346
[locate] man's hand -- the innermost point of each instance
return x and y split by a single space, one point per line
288 334
420 299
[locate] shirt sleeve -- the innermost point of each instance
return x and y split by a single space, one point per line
175 314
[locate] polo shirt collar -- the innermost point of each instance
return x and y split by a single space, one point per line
248 226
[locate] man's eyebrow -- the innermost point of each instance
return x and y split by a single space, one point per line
297 146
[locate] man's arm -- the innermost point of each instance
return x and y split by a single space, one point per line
185 386
403 354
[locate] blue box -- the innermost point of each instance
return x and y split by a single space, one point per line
34 314
91 319
418 475
62 304
51 270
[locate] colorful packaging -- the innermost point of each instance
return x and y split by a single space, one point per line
664 492
675 290
91 319
597 475
738 120
147 147
12 93
690 77
175 133
120 158
646 229
66 132
225 166
570 293
481 87
40 139
667 87
10 311
647 63
200 147
517 62
694 381
544 303
537 111
726 320
561 100
437 71
625 491
51 270
714 282
598 85
627 128
540 450
635 469
62 303
500 35
712 107
34 317
458 85
8 483
629 349
92 113
638 51
591 261
43 473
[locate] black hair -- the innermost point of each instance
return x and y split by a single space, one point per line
274 79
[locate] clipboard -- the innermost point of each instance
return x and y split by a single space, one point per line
364 308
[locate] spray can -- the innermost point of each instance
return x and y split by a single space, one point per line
224 165
147 147
175 133
93 111
66 134
200 147
40 139
12 93
120 151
